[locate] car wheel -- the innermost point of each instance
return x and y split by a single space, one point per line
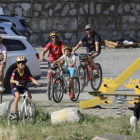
7 83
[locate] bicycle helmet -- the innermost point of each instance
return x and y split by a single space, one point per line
21 59
67 47
54 33
0 38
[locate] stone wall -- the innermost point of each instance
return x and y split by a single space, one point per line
112 19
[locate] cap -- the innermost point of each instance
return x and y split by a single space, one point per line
88 26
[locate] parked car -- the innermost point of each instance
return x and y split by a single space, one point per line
20 24
18 46
8 28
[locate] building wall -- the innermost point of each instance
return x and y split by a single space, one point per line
112 19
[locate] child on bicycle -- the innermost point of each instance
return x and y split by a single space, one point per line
70 66
20 76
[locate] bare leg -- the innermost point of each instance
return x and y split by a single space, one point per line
17 98
29 95
71 84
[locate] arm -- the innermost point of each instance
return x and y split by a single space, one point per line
14 81
77 46
96 48
36 82
55 62
42 54
5 56
74 61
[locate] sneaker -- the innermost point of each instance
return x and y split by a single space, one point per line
72 96
14 117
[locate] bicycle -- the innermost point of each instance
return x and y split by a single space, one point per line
62 85
87 69
26 109
52 74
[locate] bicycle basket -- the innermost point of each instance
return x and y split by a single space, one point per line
83 57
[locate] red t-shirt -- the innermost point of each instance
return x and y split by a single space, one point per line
56 50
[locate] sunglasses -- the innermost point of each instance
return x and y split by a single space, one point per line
88 29
55 37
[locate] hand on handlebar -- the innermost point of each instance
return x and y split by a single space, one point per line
41 59
39 85
52 64
72 52
70 66
17 83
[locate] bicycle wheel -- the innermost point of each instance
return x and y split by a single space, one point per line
80 73
58 90
10 113
50 84
96 82
76 88
29 116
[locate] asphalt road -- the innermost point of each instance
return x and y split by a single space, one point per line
112 61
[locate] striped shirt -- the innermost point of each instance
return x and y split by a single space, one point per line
24 78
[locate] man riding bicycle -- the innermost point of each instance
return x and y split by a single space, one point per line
55 48
93 44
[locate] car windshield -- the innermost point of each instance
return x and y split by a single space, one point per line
24 23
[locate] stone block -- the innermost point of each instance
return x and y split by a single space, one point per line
59 8
3 108
70 115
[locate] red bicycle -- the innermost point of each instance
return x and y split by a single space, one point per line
86 72
52 74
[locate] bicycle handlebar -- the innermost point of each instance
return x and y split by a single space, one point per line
27 86
45 60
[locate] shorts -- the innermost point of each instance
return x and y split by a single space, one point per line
49 64
70 71
18 89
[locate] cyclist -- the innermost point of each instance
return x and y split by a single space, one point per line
20 76
55 48
93 44
3 57
70 66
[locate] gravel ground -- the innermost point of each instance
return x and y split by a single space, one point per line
113 63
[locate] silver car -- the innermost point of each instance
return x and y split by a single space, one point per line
20 24
18 46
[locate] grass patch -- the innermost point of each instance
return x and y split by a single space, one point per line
89 127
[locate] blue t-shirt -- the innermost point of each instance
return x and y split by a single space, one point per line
90 41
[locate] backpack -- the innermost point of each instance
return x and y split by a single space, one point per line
94 42
51 46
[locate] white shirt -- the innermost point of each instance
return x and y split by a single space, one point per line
69 61
2 50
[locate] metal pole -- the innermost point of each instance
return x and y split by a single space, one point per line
0 98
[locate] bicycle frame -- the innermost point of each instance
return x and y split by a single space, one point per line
53 72
23 105
64 80
89 74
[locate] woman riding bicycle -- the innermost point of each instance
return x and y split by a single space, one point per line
20 76
93 41
70 66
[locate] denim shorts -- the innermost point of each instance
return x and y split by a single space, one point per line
70 71
18 89
49 64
